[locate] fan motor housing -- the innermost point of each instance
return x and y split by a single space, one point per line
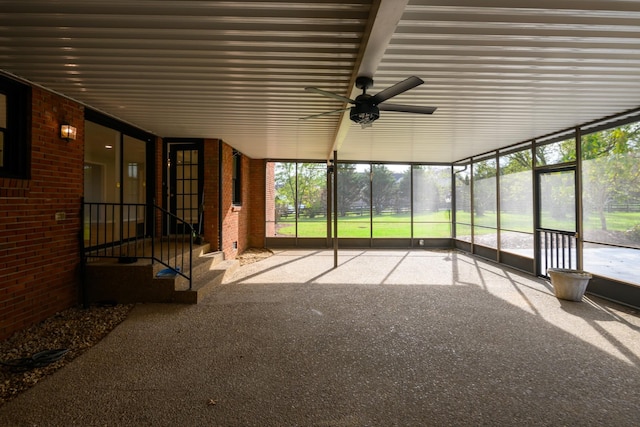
364 113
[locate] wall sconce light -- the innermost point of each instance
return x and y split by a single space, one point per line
67 132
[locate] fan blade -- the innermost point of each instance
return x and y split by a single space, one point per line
396 89
324 114
407 108
329 94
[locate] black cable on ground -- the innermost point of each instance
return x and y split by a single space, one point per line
37 360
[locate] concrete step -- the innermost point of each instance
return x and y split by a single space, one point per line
205 282
182 260
138 281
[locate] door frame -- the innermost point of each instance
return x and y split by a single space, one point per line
169 148
564 240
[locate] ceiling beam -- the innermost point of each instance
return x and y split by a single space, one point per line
383 20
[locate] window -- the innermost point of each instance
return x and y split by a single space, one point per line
354 195
462 194
611 201
516 202
391 200
556 150
485 218
3 126
297 200
236 178
431 201
14 129
115 171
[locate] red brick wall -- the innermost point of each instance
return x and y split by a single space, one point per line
242 224
39 254
233 217
211 217
255 195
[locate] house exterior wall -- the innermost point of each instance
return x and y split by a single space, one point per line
40 220
210 191
41 224
242 225
256 196
230 213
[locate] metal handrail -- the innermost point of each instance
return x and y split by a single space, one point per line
127 232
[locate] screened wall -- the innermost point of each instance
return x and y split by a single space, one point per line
374 201
581 185
611 200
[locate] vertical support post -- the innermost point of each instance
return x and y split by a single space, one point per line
411 201
335 209
578 186
498 216
331 171
83 254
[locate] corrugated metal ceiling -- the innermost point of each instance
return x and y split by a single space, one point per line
499 72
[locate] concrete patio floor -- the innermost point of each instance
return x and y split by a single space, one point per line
389 338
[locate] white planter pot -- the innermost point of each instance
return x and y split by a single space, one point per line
569 284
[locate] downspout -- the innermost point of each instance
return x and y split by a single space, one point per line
220 195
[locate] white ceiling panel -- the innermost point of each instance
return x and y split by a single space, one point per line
500 72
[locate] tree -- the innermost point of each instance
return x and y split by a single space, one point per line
350 187
484 186
428 188
384 188
312 189
611 168
285 183
301 187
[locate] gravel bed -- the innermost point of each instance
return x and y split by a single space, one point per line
76 329
252 255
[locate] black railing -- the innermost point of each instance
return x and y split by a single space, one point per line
557 250
127 232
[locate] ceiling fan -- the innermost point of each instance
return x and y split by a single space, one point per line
366 108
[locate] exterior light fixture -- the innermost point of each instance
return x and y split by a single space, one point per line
67 132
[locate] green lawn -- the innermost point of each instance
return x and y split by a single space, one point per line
385 225
437 224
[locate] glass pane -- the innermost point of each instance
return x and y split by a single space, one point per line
391 200
1 148
283 204
101 170
462 179
134 190
612 262
611 186
556 152
557 201
3 125
517 243
3 111
312 199
485 218
354 213
516 203
431 201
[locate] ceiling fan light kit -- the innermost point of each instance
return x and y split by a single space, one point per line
364 115
366 108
